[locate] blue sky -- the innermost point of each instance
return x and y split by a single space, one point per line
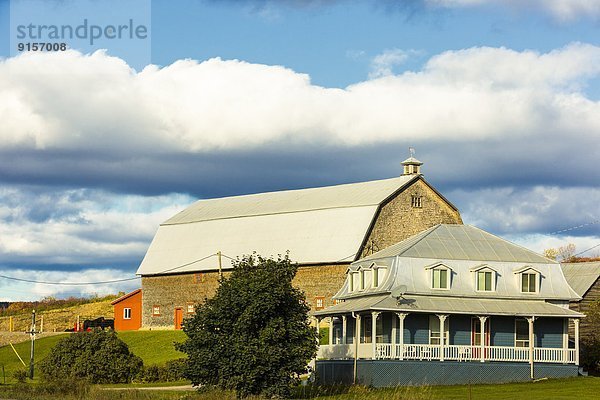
500 99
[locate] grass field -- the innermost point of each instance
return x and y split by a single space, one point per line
154 347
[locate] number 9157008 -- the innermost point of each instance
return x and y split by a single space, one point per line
41 46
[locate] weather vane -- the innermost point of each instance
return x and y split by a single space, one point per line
412 151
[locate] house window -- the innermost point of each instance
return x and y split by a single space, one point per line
354 281
198 277
434 330
365 280
528 282
320 303
190 308
378 276
155 310
127 313
521 333
440 278
416 201
367 326
484 281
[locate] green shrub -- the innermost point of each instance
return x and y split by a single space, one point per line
20 375
96 356
172 371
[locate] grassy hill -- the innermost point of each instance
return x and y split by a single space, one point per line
154 347
57 320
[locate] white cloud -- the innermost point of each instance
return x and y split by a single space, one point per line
96 102
12 290
80 226
383 64
562 10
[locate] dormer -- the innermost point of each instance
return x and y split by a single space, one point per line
484 278
439 276
379 274
529 279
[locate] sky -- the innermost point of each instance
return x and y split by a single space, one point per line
102 142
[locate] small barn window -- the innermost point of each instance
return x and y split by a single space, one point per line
190 308
198 277
416 201
155 310
320 303
127 313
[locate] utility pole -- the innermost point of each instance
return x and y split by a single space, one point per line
220 264
32 333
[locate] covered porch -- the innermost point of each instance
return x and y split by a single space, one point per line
495 331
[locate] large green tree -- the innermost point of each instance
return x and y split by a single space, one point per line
253 336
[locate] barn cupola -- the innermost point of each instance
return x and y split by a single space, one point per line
411 165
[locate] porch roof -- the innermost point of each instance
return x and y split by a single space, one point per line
450 305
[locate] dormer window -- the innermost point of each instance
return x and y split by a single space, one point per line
379 274
484 281
440 276
365 278
485 278
528 282
354 283
529 279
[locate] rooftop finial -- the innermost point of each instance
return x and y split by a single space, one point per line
412 151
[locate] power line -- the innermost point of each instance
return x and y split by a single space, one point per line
68 283
581 252
572 228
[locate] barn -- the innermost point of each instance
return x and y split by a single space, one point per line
323 229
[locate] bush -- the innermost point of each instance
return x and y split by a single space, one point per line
20 375
96 356
172 371
253 336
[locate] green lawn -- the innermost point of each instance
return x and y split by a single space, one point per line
154 347
11 362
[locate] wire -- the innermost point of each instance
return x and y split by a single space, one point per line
575 227
185 265
68 283
581 252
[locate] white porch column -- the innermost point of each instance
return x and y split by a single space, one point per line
356 342
344 330
401 317
576 321
442 318
374 315
318 321
531 320
565 343
482 337
331 331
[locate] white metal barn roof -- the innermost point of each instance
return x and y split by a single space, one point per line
317 225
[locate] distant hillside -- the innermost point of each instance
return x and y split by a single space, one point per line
57 317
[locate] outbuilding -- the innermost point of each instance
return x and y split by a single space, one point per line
128 311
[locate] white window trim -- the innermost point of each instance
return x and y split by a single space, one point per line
440 267
125 313
537 281
494 277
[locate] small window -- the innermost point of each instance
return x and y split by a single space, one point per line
155 310
190 308
127 313
198 277
521 333
440 278
354 281
528 282
381 274
320 303
485 281
417 201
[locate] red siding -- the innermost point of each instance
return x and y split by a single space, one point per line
133 301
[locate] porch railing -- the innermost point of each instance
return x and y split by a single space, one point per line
388 351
